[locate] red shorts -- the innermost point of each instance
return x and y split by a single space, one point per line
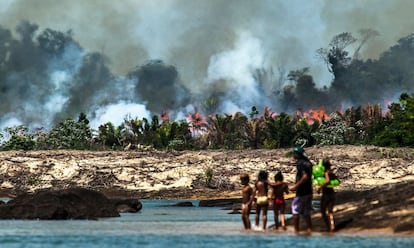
279 201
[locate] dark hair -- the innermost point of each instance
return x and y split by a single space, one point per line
326 163
279 176
244 178
263 175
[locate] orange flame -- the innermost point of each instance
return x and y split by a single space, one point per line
313 115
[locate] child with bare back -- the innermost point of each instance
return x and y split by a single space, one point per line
247 199
262 201
279 188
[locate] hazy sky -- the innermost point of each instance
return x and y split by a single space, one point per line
186 33
210 40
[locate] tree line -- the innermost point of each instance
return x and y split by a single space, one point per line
363 125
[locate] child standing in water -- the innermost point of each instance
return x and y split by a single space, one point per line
262 201
328 196
279 188
247 199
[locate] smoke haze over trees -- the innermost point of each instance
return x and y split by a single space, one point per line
140 58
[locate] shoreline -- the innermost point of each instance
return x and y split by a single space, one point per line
376 183
210 195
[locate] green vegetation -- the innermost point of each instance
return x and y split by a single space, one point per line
363 125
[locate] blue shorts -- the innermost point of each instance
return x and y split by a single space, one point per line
302 205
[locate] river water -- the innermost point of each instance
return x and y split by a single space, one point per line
159 224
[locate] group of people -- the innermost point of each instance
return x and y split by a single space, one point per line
266 194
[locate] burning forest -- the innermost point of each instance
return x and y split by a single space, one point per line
199 90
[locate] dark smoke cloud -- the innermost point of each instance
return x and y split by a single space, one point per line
73 56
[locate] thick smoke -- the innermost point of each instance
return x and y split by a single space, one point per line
138 58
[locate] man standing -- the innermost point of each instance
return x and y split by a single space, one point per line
302 203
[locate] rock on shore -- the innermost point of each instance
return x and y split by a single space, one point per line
74 203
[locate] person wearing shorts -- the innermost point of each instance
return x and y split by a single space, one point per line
260 192
279 188
302 202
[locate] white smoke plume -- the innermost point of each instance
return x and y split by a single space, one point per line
116 113
236 68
